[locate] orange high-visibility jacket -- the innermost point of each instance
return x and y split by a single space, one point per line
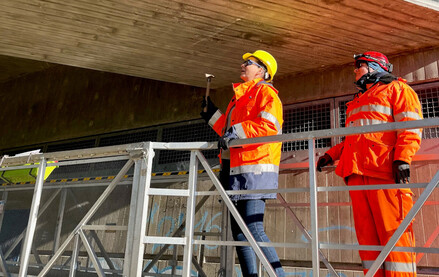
257 112
373 154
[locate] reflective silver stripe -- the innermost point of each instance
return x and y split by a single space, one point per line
416 131
368 264
372 108
254 168
403 115
215 117
400 267
268 116
365 122
240 131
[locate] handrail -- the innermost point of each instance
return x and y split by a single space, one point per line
124 149
132 151
329 133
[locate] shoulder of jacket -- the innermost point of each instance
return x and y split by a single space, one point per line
267 85
400 85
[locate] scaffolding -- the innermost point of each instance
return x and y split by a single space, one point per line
140 156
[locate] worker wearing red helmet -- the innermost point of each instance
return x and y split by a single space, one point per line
255 110
379 158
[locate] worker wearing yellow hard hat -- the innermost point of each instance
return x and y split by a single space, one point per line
267 60
254 111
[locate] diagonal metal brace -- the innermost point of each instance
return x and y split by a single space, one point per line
403 226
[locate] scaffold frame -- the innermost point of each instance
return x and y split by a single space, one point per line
140 155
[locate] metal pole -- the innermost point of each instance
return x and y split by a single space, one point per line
87 217
3 266
190 214
313 210
74 261
59 223
145 164
174 259
403 226
101 247
2 214
132 219
227 258
305 233
32 223
237 216
92 254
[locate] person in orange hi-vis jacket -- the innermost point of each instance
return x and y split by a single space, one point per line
379 158
254 111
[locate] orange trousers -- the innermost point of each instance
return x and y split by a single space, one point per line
377 215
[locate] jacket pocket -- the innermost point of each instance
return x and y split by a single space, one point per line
378 156
254 154
405 202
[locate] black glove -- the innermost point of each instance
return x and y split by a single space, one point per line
324 161
211 109
401 172
223 142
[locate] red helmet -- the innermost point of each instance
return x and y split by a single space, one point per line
377 57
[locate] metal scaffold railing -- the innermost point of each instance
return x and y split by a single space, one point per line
141 155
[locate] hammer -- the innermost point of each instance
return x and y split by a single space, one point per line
209 78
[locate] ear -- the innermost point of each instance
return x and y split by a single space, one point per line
266 76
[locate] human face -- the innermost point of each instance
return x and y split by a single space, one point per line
250 70
361 70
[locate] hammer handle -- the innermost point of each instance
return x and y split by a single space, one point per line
207 93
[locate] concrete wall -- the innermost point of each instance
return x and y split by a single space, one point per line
65 102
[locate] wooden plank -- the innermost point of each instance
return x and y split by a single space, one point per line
407 66
430 170
431 63
119 29
428 212
419 70
210 36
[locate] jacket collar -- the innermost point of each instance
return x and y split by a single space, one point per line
242 88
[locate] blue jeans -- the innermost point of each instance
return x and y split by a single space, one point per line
252 211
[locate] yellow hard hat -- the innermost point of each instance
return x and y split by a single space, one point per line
267 59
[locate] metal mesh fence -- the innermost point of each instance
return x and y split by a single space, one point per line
303 119
131 137
187 133
429 99
342 113
75 145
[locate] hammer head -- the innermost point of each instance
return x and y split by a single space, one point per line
209 76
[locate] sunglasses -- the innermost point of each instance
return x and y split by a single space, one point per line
359 63
250 62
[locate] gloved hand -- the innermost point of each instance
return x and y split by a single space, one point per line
401 172
211 109
223 142
324 161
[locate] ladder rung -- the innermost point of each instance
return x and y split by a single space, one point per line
164 240
169 192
